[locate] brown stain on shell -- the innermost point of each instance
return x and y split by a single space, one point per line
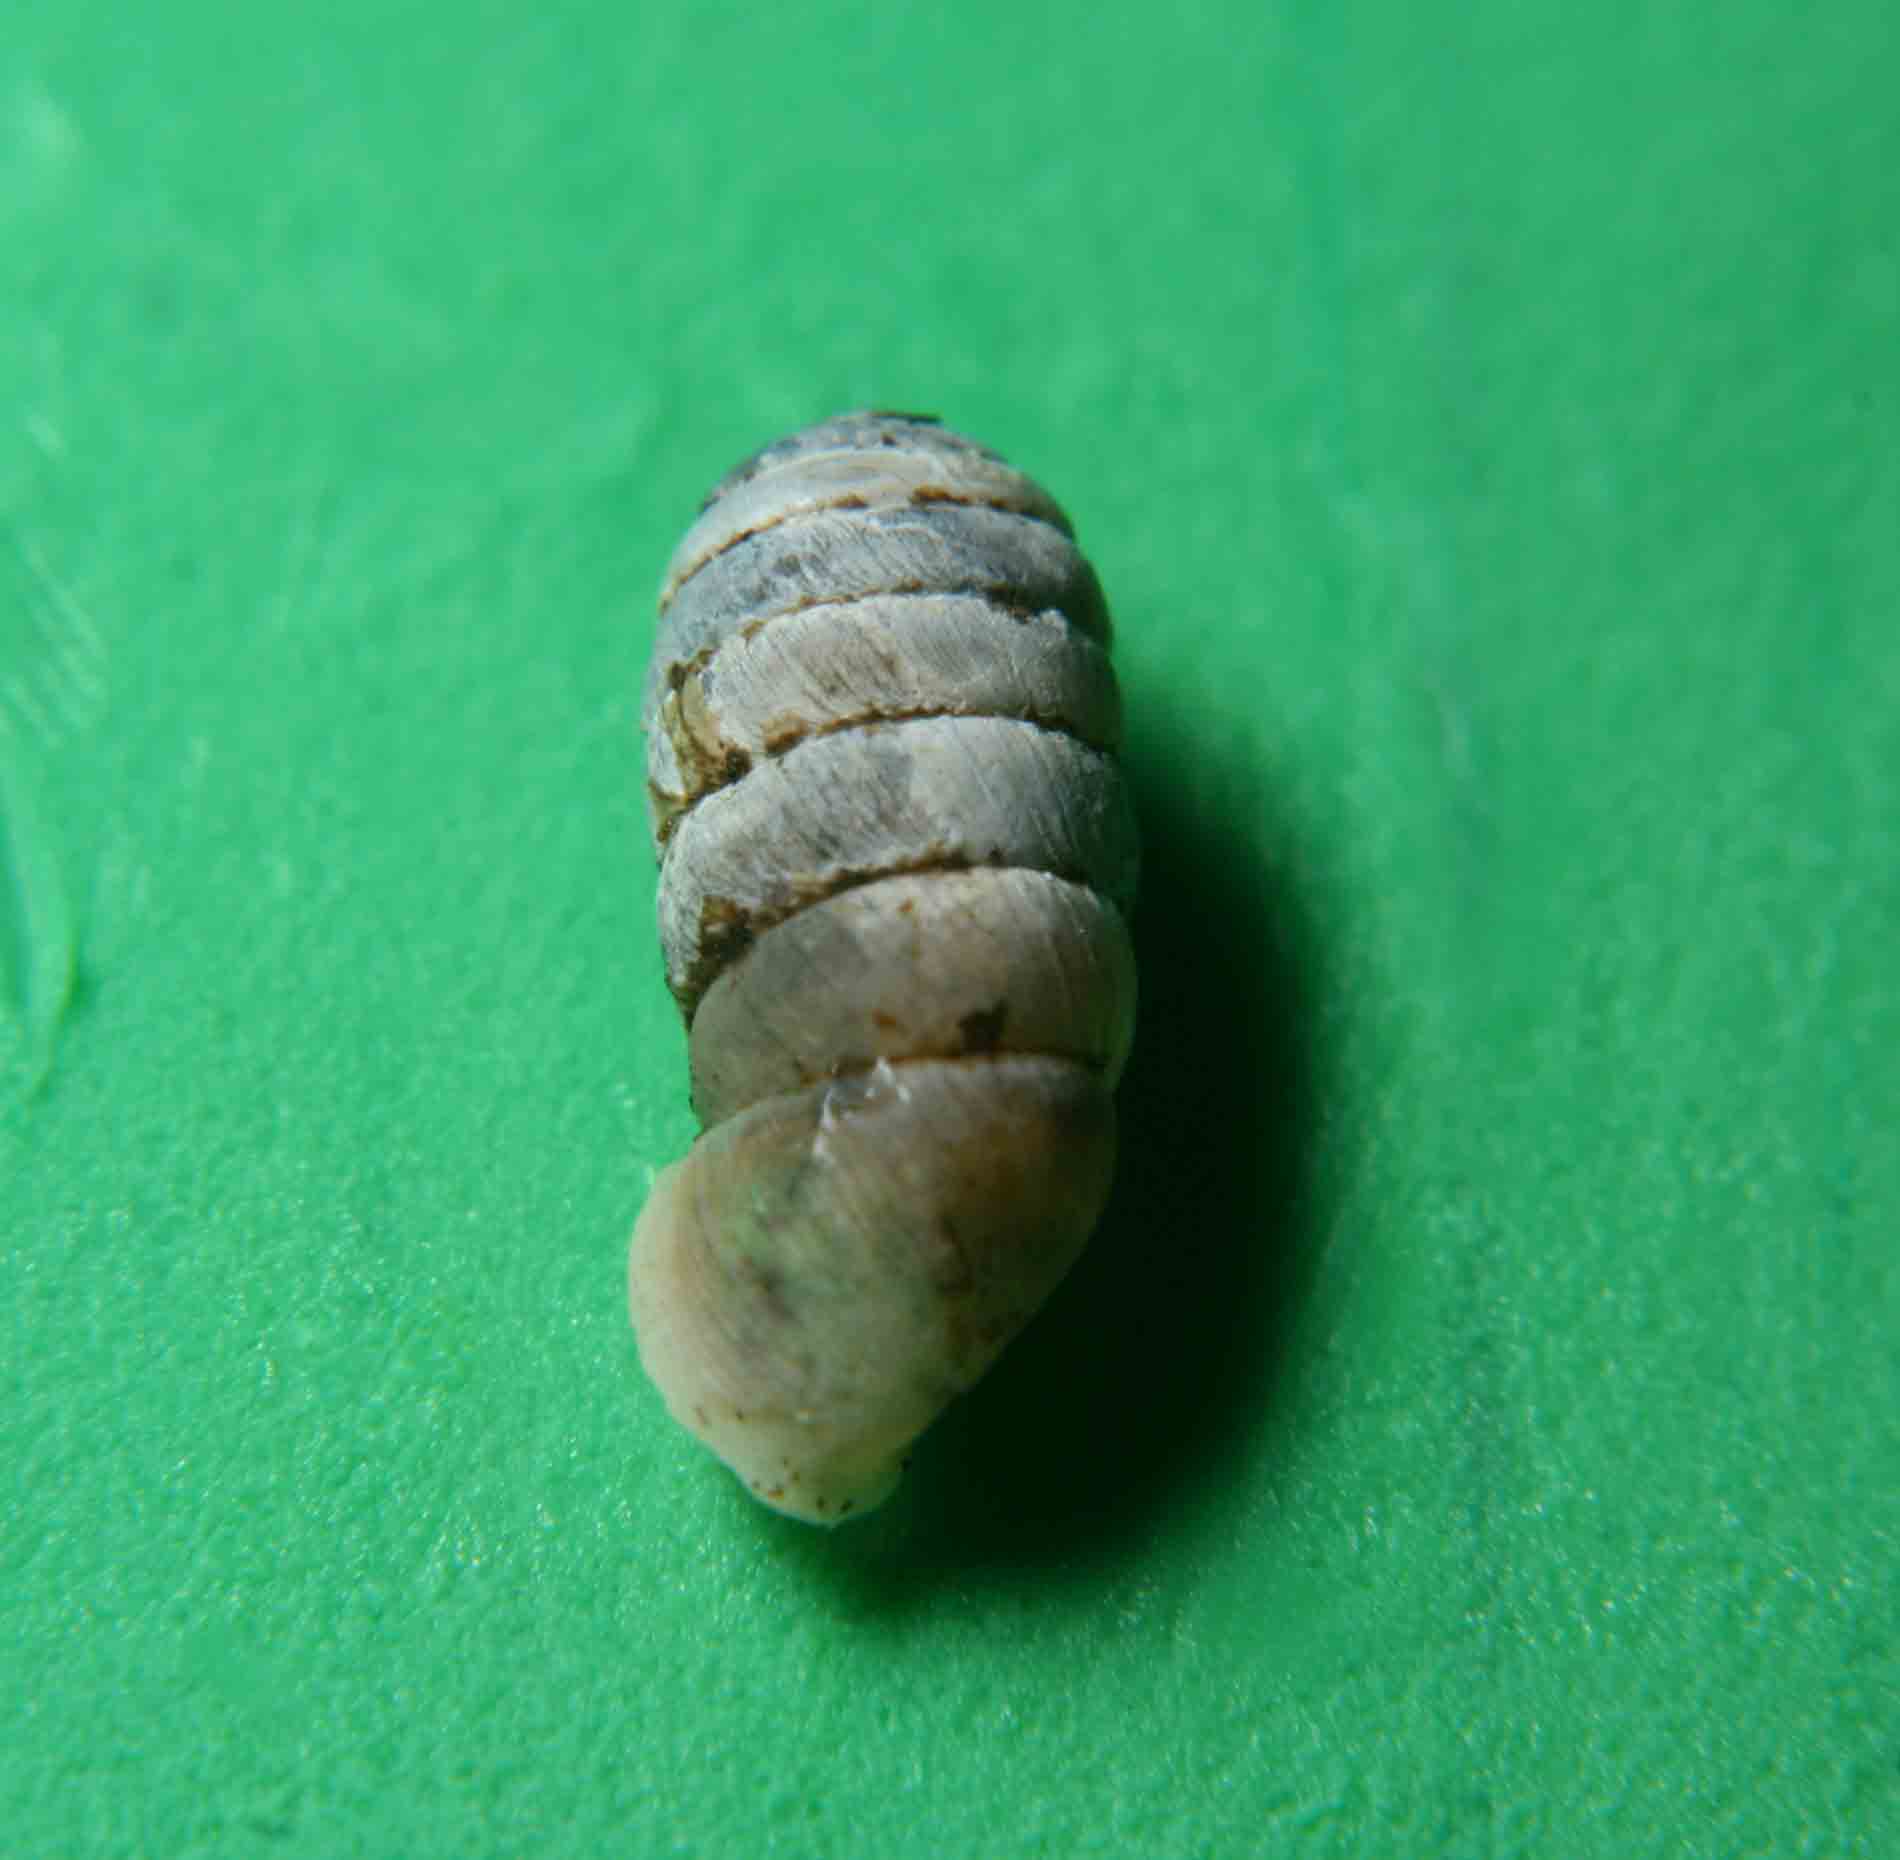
982 1028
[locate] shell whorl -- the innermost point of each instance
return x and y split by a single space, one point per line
896 862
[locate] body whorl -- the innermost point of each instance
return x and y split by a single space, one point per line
896 862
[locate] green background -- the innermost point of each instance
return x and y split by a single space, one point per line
1477 1427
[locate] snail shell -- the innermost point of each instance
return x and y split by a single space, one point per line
896 857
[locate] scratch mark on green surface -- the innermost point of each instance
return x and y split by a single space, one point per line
38 942
53 688
52 654
39 147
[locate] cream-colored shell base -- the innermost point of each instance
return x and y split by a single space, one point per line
820 1275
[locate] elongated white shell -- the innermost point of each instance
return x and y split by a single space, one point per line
896 858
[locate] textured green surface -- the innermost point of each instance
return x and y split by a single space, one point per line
1477 1430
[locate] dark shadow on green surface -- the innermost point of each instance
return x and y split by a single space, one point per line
1136 1393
